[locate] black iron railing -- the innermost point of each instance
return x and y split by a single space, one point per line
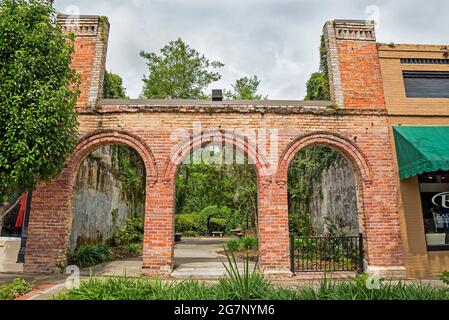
326 254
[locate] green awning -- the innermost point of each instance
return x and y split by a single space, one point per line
421 149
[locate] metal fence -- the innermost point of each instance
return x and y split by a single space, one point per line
326 254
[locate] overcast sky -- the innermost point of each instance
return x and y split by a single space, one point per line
277 40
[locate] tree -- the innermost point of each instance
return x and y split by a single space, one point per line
318 84
179 72
245 89
113 86
38 93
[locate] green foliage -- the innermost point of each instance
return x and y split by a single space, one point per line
233 245
90 255
218 224
130 232
445 277
245 285
245 89
245 243
113 86
18 287
38 92
178 72
131 171
217 191
305 168
132 248
187 222
249 242
318 84
318 87
191 234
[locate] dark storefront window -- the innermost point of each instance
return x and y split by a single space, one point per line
434 188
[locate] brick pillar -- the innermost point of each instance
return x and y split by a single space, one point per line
49 226
273 226
89 57
353 62
159 239
356 83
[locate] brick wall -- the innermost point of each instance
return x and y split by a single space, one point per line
162 132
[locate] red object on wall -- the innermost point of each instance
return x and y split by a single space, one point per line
21 216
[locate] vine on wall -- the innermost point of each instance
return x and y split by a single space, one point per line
309 163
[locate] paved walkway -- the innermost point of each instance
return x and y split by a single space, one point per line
198 257
194 257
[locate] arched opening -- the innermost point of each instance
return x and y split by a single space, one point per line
324 217
108 210
216 206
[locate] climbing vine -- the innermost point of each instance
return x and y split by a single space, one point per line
131 172
309 164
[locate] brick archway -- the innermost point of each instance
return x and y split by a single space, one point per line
159 239
195 142
337 142
350 151
51 209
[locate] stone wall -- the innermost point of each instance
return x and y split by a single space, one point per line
99 203
333 204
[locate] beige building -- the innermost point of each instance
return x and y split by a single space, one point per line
416 86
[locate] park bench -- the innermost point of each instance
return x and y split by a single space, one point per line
217 234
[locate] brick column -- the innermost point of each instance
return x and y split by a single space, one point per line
159 238
89 56
49 226
273 226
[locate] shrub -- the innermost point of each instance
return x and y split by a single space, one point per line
249 242
225 216
233 245
217 224
91 255
186 222
130 232
445 277
191 234
18 287
132 248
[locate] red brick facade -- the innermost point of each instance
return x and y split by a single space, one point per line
163 132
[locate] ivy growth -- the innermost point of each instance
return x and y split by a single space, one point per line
38 93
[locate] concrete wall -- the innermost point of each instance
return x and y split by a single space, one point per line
99 203
334 200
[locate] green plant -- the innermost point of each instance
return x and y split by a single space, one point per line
249 242
16 288
186 222
191 234
91 255
217 224
132 248
232 245
249 284
130 232
445 277
38 94
243 285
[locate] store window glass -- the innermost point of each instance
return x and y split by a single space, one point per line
434 189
